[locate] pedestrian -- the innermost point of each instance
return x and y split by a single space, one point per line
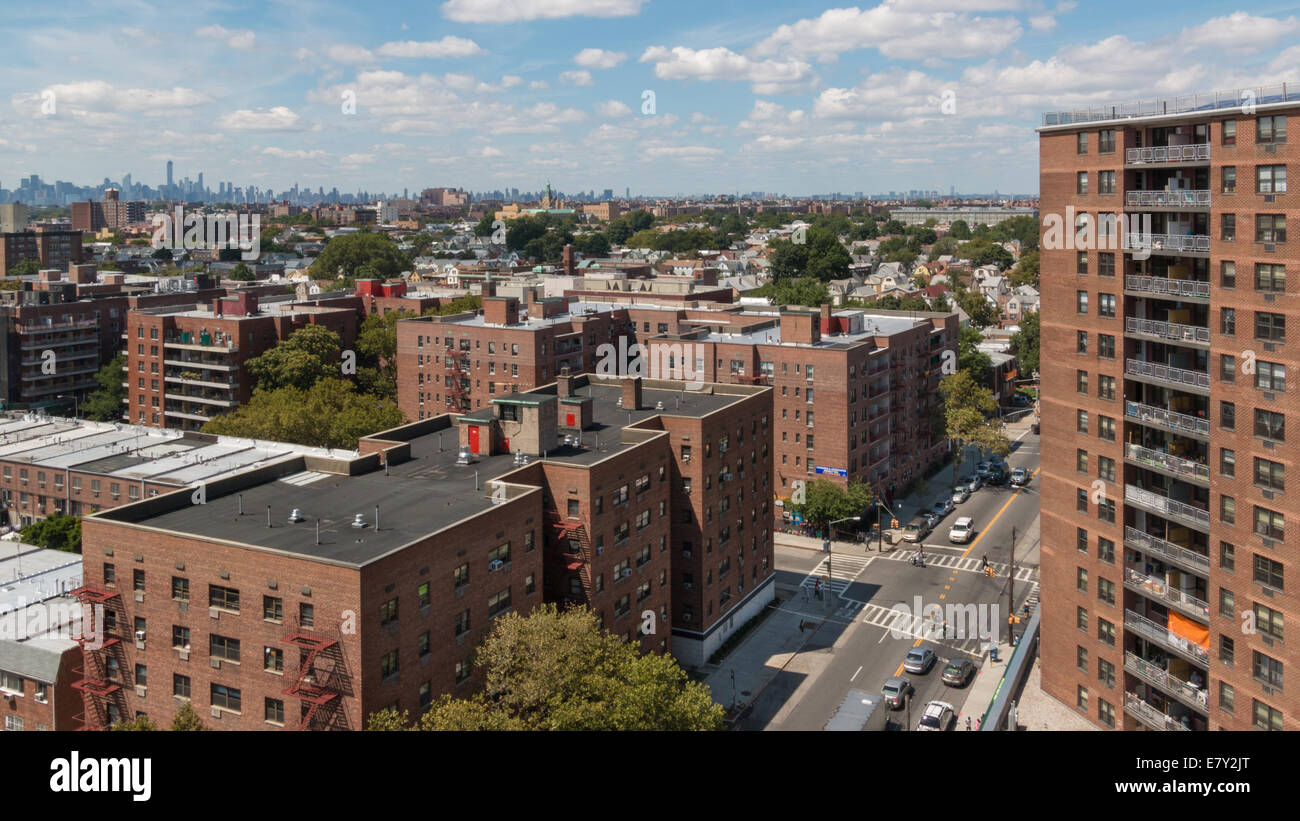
945 628
984 562
978 722
968 722
805 592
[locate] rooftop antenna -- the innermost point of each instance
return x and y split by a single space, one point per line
241 504
376 518
268 515
318 530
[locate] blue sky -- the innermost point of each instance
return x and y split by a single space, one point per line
484 94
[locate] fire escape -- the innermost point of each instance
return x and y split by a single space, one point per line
322 680
456 378
572 552
103 659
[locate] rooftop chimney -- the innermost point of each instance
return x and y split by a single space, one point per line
568 260
801 327
632 393
564 383
501 310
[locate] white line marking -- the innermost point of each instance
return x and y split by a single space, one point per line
855 675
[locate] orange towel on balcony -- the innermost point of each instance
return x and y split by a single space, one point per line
1190 630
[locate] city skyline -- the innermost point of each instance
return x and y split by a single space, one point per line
887 97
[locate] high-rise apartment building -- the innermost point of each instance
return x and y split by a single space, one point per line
1165 409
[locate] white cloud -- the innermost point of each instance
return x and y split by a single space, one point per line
515 11
539 85
446 47
766 114
613 108
241 39
279 118
341 53
881 97
681 152
89 96
1240 32
599 58
765 76
354 160
295 154
577 78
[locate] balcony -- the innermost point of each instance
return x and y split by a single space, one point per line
42 328
1183 288
213 398
196 379
1167 419
1149 715
1167 374
1167 331
1183 468
1194 697
1157 588
203 364
191 343
1199 199
1166 507
1156 546
1163 636
1158 154
1168 243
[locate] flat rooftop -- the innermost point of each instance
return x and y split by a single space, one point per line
423 495
874 324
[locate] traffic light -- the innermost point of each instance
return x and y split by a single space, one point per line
893 523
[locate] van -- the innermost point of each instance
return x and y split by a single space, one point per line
916 530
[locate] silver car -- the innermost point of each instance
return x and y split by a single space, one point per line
896 691
919 660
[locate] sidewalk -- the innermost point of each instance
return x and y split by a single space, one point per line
759 658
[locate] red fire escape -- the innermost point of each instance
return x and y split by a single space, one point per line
322 681
456 378
103 658
572 552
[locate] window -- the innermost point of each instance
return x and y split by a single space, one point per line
1081 658
306 614
1227 557
1268 621
1228 228
227 698
422 595
1227 368
1106 673
1081 183
1106 632
388 612
110 574
1228 274
1081 580
1106 182
1081 382
1270 327
1081 500
273 659
1228 321
1268 572
1271 129
1228 415
1081 540
137 580
1081 302
1265 669
1105 264
180 588
1227 650
1106 468
1227 603
272 608
1227 462
223 598
1081 619
462 623
221 647
180 686
499 603
1270 228
1270 474
1106 712
1106 428
1270 179
1106 591
1229 179
1105 550
1270 425
180 637
1081 421
1105 142
1265 717
1081 342
1270 277
1106 511
1227 694
274 711
1081 264
1082 145
389 664
1270 376
1229 132
1105 387
1082 699
462 671
460 576
1227 509
1105 346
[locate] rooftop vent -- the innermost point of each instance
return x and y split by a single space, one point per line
462 458
295 515
360 521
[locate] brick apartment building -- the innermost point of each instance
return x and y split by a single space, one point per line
110 213
186 364
51 246
1164 446
366 583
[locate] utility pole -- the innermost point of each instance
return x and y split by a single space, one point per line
1011 597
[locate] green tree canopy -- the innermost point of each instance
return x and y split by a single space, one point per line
56 533
967 406
360 256
970 358
26 268
825 501
310 354
331 413
377 354
106 404
242 273
959 229
1024 344
804 291
557 670
1026 270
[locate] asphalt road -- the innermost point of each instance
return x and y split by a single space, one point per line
854 647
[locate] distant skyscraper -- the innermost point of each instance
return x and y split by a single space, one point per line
202 190
169 175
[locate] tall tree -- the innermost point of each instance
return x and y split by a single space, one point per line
331 413
970 358
56 533
967 406
825 501
105 404
1024 344
310 354
359 256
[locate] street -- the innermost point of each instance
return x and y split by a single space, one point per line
853 646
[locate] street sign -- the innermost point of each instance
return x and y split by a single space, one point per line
840 472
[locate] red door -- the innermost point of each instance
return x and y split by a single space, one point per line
473 439
568 420
505 444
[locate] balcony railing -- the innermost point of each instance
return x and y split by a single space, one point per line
1167 507
1160 589
1167 549
1192 243
1167 330
1170 420
1167 373
1161 677
1195 152
1165 461
1162 635
1149 715
1185 104
1167 199
1171 287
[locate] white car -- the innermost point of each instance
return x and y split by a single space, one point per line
938 716
960 495
961 530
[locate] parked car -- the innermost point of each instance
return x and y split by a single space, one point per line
942 507
983 468
938 716
960 495
997 475
1019 477
919 660
896 691
974 483
917 529
930 519
958 673
961 530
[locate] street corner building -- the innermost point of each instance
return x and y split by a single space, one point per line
312 591
1165 304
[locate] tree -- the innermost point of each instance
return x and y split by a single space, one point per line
485 227
981 312
310 354
828 259
105 404
967 406
331 413
970 358
557 670
140 723
594 244
26 268
804 291
960 229
164 254
1026 270
942 247
521 231
786 259
377 354
56 533
1024 344
187 720
362 255
982 252
825 501
242 273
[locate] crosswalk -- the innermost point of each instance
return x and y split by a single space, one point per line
964 564
844 570
911 625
